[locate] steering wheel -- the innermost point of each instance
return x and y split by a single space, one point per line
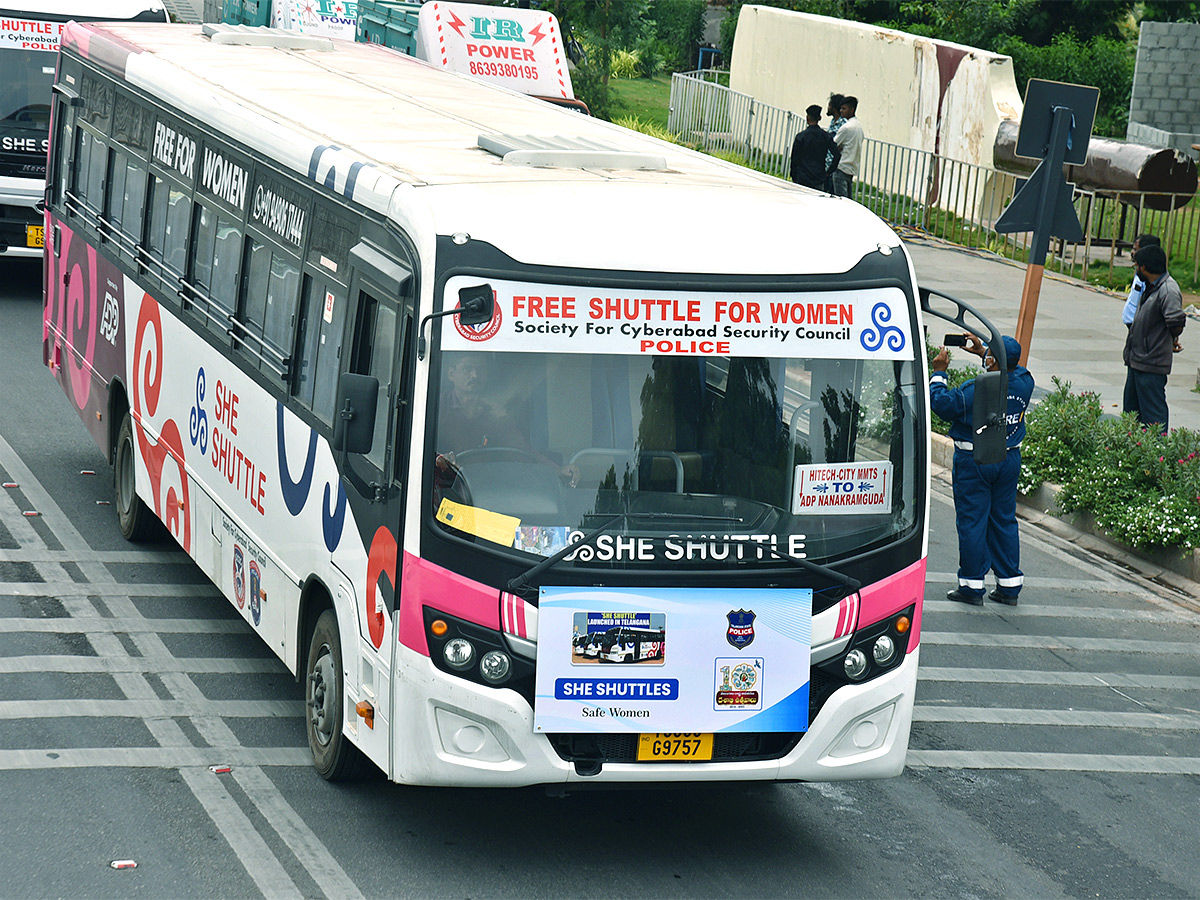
34 112
495 454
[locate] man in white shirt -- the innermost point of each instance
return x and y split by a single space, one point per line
849 140
1135 290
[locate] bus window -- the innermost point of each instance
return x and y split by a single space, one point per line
375 354
283 288
323 323
169 214
227 254
206 229
92 162
254 297
127 195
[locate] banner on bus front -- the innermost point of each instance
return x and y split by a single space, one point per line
672 660
548 318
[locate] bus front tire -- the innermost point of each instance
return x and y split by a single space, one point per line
334 757
133 516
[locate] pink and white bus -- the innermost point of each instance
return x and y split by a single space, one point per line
430 377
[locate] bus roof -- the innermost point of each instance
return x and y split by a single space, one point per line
91 9
403 138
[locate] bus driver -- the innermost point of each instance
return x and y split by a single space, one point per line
470 419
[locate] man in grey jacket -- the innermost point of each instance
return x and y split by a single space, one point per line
1152 339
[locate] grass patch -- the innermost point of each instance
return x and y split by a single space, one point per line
645 99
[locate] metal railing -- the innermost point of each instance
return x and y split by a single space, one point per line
951 199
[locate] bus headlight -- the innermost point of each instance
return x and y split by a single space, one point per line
884 650
458 653
855 664
495 666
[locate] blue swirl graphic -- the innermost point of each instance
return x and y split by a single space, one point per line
198 419
331 525
295 493
873 340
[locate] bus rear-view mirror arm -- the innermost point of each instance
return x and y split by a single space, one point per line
991 388
354 427
476 306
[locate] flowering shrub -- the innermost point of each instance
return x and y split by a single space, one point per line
1142 488
1060 432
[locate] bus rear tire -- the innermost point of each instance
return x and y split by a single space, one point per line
133 516
334 757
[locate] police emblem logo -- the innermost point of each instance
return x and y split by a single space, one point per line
741 628
255 593
239 576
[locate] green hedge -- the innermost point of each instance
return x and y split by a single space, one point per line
1142 487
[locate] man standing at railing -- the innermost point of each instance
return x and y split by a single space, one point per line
810 151
836 121
1153 338
849 141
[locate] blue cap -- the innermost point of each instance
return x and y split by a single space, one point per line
1012 350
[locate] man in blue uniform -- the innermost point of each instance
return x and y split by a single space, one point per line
985 497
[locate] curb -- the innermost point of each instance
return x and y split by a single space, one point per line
1179 569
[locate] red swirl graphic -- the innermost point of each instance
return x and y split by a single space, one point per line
380 560
147 386
72 309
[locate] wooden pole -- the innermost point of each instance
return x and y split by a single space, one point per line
1028 311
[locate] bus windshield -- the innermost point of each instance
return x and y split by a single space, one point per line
28 77
813 456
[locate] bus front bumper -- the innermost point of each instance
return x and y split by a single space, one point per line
18 211
449 731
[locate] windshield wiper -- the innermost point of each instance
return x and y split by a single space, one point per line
853 584
520 582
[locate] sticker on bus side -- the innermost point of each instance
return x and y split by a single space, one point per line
856 324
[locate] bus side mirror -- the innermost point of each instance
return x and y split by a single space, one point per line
476 305
987 418
354 426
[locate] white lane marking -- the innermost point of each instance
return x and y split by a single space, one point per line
1065 679
1059 642
171 757
312 853
87 665
99 625
1070 718
1055 762
257 858
105 589
141 707
1097 613
45 555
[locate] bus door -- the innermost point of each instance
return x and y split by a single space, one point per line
380 311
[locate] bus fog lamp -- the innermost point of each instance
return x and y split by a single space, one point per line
459 653
884 650
495 666
855 664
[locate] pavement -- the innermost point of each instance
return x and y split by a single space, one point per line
1078 335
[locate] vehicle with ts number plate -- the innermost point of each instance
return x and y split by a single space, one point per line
29 36
430 377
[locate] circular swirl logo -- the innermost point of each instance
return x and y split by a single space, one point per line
873 339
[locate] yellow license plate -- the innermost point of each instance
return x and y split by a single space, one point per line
674 747
34 235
